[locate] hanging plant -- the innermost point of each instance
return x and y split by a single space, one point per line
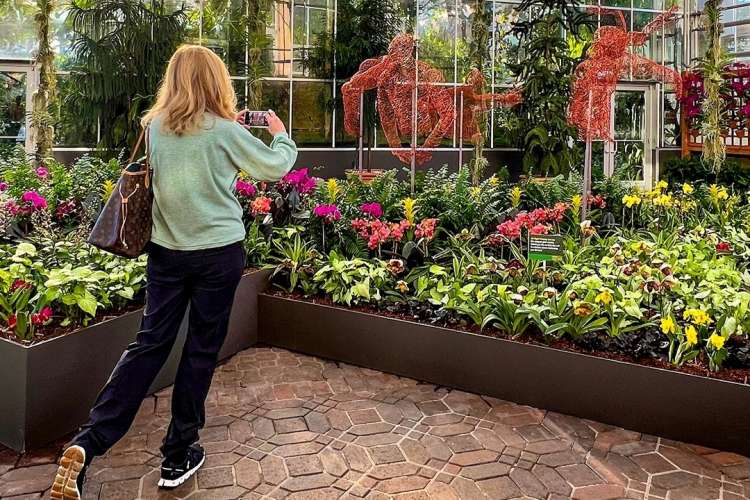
712 68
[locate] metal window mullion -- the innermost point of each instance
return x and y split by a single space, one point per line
493 26
333 85
291 68
455 70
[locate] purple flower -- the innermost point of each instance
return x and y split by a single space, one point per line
372 209
245 189
300 180
42 172
36 200
3 186
329 213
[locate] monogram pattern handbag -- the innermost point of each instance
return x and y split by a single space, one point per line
124 225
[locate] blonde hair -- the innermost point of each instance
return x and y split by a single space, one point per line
196 82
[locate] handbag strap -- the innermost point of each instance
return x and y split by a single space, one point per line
137 146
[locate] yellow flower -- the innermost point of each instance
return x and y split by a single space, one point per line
494 180
107 188
663 200
718 192
475 191
630 200
691 334
515 196
667 325
717 341
661 185
410 209
576 203
332 186
687 188
697 316
604 297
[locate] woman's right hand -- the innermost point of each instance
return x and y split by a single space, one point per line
275 125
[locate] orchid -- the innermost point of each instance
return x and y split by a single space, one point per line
328 213
372 209
245 189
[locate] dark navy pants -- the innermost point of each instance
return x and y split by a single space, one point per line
204 279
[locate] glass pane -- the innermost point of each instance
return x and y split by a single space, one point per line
506 45
12 107
342 138
312 114
281 32
629 115
629 156
466 18
436 30
17 31
71 130
671 120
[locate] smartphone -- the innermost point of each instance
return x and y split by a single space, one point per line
256 119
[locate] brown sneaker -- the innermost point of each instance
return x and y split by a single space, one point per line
69 479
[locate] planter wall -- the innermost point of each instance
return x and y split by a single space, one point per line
49 387
675 405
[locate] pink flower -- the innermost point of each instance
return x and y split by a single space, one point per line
42 172
245 189
426 229
372 209
511 229
260 205
3 186
300 180
539 229
328 213
723 247
399 228
46 313
36 200
12 208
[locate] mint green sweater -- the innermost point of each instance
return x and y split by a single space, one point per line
194 179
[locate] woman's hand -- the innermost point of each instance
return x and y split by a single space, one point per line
240 118
275 125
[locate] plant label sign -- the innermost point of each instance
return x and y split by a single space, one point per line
545 246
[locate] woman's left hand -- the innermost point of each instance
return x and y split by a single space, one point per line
240 118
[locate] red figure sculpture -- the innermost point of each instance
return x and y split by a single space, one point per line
394 76
608 60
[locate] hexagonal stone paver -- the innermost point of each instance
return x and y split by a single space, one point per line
282 425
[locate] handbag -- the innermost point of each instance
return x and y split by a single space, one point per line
124 224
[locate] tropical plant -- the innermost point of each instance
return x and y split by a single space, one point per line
121 48
545 66
42 120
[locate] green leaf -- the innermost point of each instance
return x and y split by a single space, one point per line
87 303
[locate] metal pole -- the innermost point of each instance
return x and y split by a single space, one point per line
587 165
414 109
461 133
360 147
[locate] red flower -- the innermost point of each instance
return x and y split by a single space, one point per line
12 321
597 201
723 247
46 313
261 205
19 284
539 229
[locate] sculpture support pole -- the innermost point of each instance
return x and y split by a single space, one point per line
461 133
587 166
360 147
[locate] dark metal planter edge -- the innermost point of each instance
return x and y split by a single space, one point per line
671 404
49 387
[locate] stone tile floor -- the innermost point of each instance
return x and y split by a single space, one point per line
284 425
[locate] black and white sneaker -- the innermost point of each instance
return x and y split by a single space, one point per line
174 474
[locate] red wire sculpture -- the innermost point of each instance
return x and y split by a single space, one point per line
394 76
608 60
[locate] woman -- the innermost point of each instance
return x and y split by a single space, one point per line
196 257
